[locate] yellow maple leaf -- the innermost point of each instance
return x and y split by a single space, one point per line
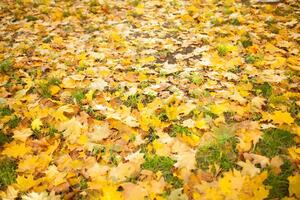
294 62
31 163
72 129
22 134
231 183
279 62
24 183
294 153
89 95
116 37
111 193
218 109
172 112
294 187
36 124
28 163
68 83
248 168
16 150
59 113
254 188
192 140
54 176
201 124
54 89
280 118
11 193
147 60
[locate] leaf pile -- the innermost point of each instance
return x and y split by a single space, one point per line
136 99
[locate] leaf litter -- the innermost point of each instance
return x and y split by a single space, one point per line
139 99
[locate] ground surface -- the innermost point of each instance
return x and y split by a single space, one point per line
149 100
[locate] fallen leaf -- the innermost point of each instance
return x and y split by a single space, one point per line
36 124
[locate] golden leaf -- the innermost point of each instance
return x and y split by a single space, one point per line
36 124
24 183
294 188
16 150
280 118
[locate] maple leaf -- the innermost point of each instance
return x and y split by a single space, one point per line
22 134
16 150
54 89
98 84
172 112
68 82
54 176
134 191
24 183
100 133
294 153
248 168
89 95
280 118
102 79
72 129
276 163
11 193
29 162
231 183
35 196
186 160
178 194
36 124
294 188
110 193
124 171
257 159
59 113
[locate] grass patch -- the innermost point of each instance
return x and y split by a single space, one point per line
210 114
178 129
54 81
294 109
163 116
44 87
83 184
164 164
265 89
235 22
48 39
5 111
256 116
132 101
222 50
52 131
246 42
31 18
229 117
78 95
275 142
196 79
5 66
4 138
250 59
279 182
44 90
221 151
96 115
151 136
13 122
7 172
157 163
